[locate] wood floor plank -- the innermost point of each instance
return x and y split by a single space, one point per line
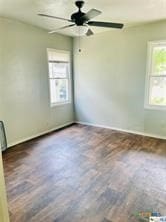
85 174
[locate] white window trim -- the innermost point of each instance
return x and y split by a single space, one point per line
69 101
147 105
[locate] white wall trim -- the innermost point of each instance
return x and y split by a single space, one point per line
149 75
89 124
4 215
39 134
123 130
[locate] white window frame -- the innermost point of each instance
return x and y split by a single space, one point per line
69 101
151 45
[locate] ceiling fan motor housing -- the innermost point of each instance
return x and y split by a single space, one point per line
76 17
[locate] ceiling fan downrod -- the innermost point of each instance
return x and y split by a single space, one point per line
79 4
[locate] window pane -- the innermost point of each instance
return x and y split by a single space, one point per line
159 60
58 70
59 90
158 91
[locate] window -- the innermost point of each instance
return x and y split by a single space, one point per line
156 76
59 76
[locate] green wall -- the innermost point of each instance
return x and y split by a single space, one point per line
110 80
24 86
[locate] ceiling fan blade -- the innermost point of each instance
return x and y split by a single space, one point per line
91 14
64 27
89 32
55 17
106 24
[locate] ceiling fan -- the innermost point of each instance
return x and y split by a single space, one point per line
83 20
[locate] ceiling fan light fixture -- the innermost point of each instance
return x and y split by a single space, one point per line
80 30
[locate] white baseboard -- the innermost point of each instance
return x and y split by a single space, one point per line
39 134
85 123
123 130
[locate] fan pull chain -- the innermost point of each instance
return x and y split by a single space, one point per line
79 41
79 44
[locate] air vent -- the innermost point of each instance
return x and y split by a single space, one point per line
3 141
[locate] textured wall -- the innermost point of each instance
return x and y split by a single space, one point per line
110 79
24 87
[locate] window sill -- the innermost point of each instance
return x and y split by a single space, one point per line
155 107
59 104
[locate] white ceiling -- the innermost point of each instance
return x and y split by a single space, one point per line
130 12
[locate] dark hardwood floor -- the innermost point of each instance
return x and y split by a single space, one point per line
85 174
